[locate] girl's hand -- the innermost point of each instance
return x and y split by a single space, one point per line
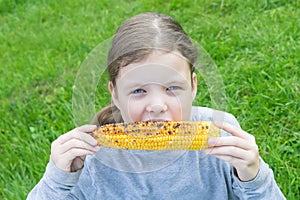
240 150
69 150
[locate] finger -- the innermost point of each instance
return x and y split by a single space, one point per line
76 143
234 130
76 134
231 159
76 152
232 141
87 128
228 151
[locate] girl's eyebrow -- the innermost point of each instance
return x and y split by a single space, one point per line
177 82
131 84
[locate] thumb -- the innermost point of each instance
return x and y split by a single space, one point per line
77 163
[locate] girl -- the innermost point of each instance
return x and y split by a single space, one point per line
151 66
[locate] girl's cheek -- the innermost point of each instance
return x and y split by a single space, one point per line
180 108
176 111
134 112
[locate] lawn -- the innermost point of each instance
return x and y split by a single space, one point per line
255 45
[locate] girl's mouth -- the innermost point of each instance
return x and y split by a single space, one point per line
157 120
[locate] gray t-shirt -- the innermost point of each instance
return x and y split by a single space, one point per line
119 174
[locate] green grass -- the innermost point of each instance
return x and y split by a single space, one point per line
255 45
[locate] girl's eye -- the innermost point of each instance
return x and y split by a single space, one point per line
139 91
172 88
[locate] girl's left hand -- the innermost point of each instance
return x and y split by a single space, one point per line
240 150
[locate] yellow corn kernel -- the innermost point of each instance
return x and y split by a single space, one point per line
170 135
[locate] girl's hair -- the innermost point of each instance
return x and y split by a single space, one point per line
134 41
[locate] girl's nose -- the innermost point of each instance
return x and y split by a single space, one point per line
157 108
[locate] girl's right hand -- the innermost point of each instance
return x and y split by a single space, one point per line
69 150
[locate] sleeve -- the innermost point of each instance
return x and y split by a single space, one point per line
55 184
263 186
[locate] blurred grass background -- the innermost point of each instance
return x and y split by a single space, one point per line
255 44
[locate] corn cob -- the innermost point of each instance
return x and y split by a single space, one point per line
162 135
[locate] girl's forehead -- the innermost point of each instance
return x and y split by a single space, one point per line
158 67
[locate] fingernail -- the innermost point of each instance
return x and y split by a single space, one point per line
95 142
206 151
97 148
212 141
218 123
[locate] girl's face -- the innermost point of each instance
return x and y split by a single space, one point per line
157 89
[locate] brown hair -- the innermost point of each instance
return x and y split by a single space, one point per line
134 41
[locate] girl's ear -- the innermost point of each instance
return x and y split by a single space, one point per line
194 86
113 93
